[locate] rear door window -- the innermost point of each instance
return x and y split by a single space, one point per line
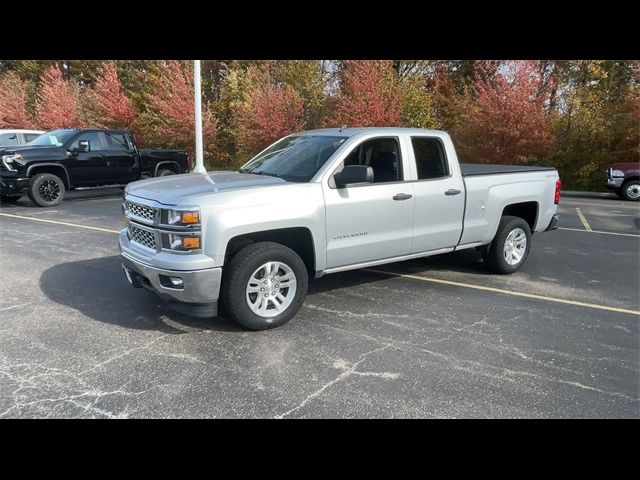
116 141
431 161
9 139
28 137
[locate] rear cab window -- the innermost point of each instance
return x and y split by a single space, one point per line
430 157
117 141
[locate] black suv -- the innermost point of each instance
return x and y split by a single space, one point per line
68 159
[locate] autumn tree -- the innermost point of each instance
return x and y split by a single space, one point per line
13 101
57 101
170 116
271 112
418 103
597 122
505 117
368 95
106 105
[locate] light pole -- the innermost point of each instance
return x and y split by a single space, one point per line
199 168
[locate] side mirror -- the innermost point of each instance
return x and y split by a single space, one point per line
352 174
84 146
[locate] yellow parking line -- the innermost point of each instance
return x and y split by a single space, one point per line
599 231
583 220
508 292
88 227
413 277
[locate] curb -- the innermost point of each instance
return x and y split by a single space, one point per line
570 193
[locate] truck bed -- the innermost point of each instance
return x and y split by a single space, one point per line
472 169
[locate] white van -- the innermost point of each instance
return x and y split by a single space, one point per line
17 137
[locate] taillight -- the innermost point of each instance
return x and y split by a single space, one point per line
556 198
189 164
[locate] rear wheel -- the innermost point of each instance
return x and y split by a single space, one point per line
510 247
9 198
164 172
631 190
46 189
264 285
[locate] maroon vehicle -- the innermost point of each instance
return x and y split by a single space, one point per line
624 179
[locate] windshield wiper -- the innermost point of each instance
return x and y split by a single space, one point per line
260 173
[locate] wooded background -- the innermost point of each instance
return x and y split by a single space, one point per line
579 116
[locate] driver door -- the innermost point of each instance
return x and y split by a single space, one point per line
372 221
89 168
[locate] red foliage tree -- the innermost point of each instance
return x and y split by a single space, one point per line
369 96
506 120
13 99
107 105
171 111
270 113
57 101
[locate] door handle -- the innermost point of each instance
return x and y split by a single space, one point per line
452 191
402 196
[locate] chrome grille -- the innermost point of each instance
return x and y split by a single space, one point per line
143 237
141 211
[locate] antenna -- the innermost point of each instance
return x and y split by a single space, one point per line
343 127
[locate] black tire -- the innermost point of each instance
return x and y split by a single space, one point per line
494 256
630 190
9 198
163 172
46 189
241 268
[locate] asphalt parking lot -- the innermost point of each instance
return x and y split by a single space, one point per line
437 337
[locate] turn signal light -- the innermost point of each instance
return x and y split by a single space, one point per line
190 243
189 217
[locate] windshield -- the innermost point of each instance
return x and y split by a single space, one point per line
297 158
54 138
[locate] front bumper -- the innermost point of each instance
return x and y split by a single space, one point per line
196 292
14 185
614 183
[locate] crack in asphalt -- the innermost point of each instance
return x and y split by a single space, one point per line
346 372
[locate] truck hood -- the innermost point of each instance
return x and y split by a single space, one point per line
172 189
626 167
29 151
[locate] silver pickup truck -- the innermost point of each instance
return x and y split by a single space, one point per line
320 202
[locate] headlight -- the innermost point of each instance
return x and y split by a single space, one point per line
183 243
183 217
7 160
617 173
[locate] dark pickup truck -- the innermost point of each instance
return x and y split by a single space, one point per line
624 180
70 159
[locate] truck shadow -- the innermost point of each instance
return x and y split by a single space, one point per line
98 289
465 261
69 197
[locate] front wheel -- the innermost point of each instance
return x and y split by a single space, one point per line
631 190
510 247
9 198
264 285
46 190
163 172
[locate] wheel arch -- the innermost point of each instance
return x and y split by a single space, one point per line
528 211
298 239
54 169
167 164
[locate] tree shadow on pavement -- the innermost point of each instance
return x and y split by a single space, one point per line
99 289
